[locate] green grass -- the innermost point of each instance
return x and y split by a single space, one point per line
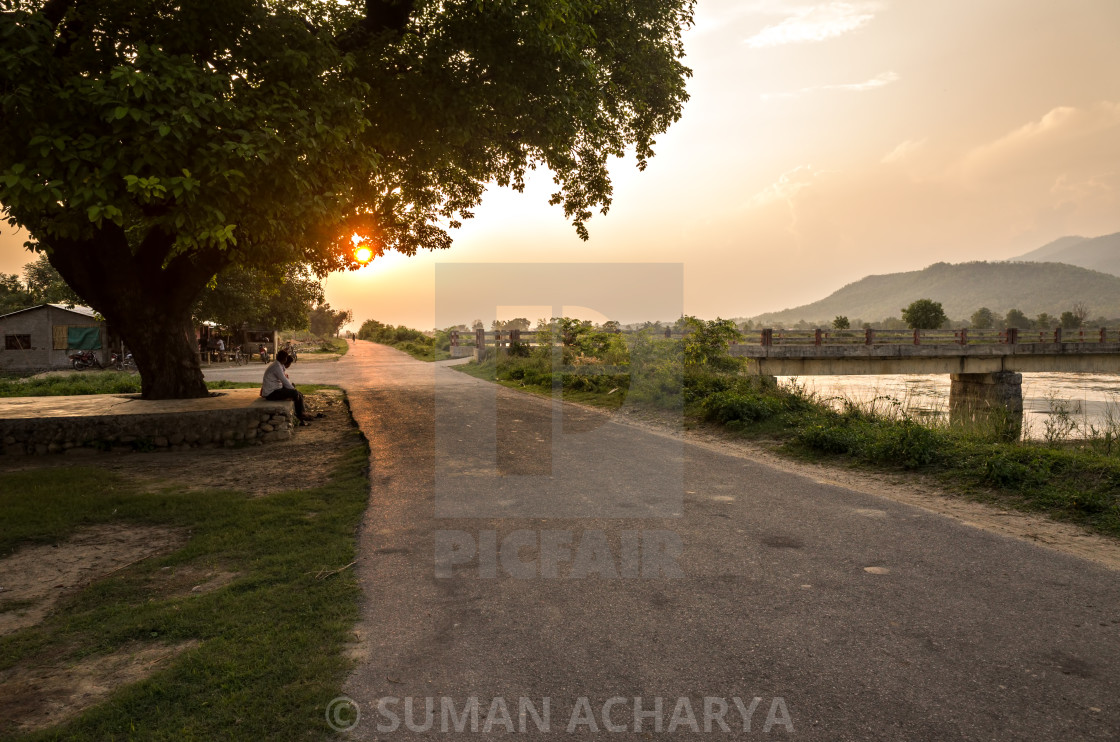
326 345
533 376
1072 481
90 382
420 350
271 652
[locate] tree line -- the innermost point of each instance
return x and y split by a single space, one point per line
926 314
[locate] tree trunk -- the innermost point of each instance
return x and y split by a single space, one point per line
146 299
166 355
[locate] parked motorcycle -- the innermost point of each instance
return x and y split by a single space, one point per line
84 359
123 363
262 351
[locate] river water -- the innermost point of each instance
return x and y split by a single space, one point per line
1086 401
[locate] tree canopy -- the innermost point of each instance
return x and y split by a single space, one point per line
1018 319
924 314
983 319
262 299
152 144
326 322
41 284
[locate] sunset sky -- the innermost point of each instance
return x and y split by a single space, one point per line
825 142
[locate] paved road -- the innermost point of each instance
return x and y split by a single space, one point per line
615 563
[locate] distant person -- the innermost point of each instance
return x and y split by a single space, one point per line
277 386
221 350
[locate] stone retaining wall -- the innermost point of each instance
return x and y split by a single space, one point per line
254 424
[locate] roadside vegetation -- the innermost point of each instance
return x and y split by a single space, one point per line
313 345
251 601
1071 474
419 345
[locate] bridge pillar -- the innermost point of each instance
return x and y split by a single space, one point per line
994 399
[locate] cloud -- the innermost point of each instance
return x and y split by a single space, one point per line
816 23
903 151
878 81
1064 139
786 187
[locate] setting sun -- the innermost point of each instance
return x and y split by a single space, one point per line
362 253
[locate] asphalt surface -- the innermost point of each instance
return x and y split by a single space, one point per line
520 552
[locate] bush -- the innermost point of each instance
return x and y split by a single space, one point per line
737 407
1003 471
904 442
826 438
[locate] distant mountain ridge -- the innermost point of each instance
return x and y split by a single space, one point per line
963 288
1096 253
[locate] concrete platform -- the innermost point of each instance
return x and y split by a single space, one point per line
231 417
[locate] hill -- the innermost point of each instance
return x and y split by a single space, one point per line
1097 253
962 289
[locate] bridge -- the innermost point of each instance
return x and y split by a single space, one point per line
986 367
821 352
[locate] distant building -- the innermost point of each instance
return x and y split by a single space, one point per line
43 337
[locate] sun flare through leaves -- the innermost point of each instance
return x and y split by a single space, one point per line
362 252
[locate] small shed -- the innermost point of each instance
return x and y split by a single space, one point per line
43 337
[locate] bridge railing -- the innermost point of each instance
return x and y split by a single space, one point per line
821 336
771 337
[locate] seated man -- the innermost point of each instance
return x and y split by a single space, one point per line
276 385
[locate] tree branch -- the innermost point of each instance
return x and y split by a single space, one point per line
388 15
55 10
382 16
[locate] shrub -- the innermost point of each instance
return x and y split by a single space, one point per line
827 438
904 442
737 407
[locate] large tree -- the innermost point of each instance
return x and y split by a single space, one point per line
146 146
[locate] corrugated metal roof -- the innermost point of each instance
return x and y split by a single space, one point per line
76 309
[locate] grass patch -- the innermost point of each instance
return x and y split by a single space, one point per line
421 351
326 345
271 651
90 382
536 376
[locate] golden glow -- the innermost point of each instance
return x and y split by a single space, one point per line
363 255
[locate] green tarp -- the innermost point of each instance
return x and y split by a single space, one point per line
83 338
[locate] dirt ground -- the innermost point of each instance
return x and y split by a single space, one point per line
35 578
304 461
41 697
